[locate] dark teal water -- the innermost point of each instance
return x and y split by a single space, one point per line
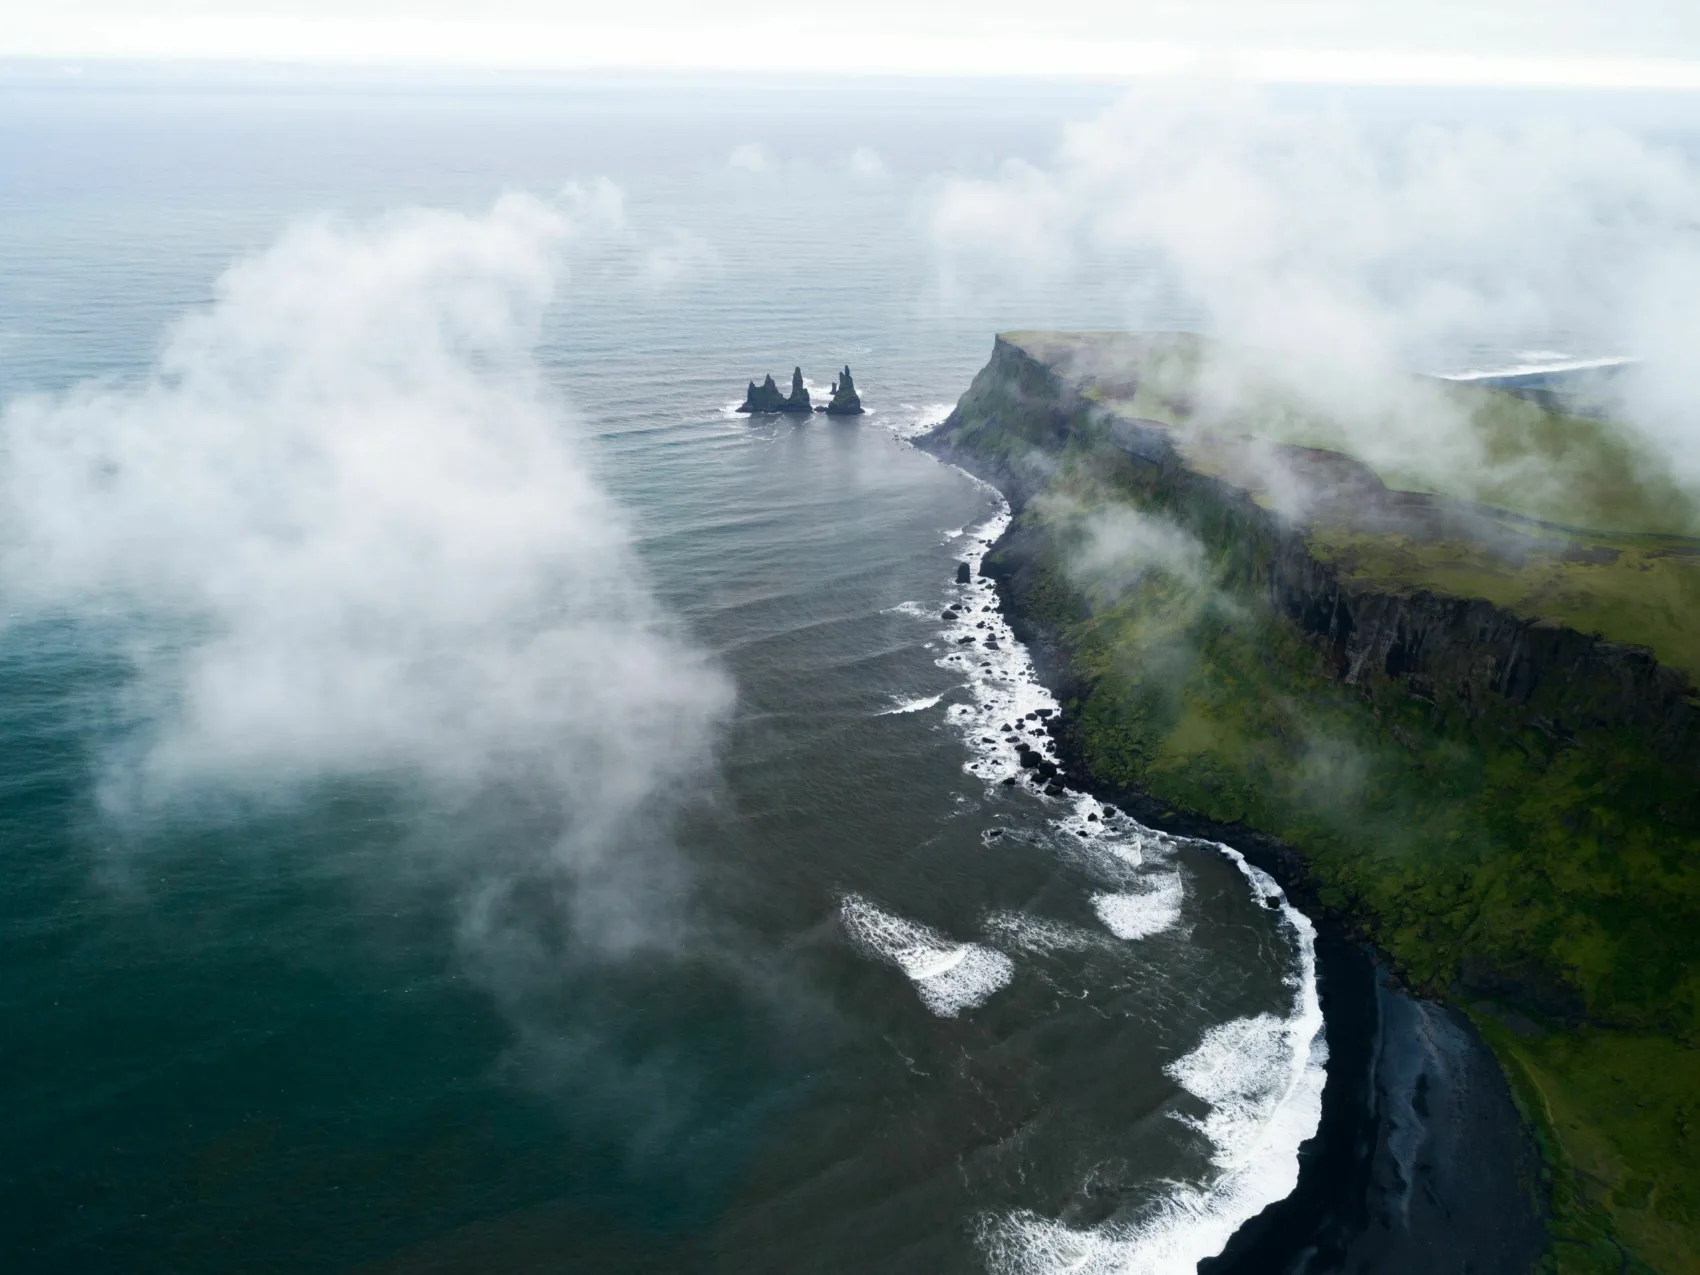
267 1028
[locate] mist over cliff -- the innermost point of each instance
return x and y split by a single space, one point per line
1351 245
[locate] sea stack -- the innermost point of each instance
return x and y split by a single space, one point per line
845 401
799 400
766 397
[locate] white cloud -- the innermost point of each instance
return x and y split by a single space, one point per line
866 164
1352 248
679 257
750 157
343 530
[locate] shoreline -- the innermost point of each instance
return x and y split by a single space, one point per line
1421 1162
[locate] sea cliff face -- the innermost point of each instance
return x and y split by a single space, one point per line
1520 670
1506 804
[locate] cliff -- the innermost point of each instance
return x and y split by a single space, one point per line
1472 725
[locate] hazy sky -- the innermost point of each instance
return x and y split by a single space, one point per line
1655 43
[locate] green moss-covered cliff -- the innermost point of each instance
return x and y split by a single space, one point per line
1474 721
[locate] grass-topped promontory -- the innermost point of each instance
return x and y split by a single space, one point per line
1530 852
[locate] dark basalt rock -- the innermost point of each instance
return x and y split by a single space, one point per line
766 398
963 573
845 401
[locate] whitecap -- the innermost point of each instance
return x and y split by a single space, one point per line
1141 913
914 610
929 964
949 976
912 705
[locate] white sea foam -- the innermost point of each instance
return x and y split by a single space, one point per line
1003 688
1260 1077
910 419
1140 914
914 610
1039 934
912 705
949 976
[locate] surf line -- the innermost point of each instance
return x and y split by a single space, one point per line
1268 1100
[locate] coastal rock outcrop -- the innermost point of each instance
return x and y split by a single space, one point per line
766 398
845 401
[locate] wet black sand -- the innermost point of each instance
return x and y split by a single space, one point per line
1420 1165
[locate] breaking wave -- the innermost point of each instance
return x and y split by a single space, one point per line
949 976
1138 914
1261 1079
1258 1079
913 705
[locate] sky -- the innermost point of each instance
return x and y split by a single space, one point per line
1630 43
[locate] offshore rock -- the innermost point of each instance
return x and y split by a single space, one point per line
845 401
766 398
799 400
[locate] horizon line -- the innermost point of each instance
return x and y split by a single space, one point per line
1108 64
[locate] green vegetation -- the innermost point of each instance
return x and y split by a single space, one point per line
1604 1105
1643 590
1550 882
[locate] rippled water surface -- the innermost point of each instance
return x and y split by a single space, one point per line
905 1016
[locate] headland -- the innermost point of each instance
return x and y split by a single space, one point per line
1453 712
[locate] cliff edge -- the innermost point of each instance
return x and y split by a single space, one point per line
1460 696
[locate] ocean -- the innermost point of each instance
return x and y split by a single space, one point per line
472 801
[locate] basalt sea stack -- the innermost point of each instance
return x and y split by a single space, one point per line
845 401
766 397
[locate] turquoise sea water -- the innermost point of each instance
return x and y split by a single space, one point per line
824 1020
